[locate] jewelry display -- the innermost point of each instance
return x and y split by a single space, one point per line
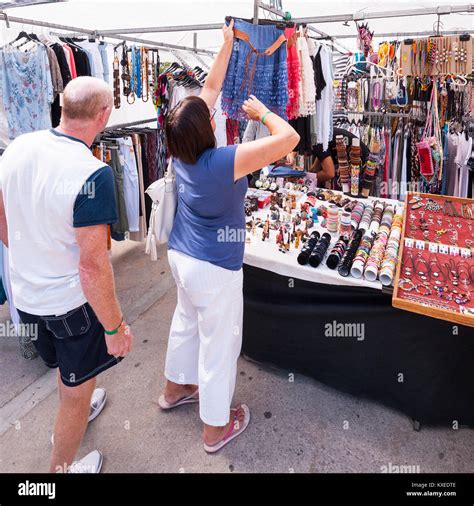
125 76
346 261
318 253
337 252
362 254
343 164
437 261
116 77
406 285
303 257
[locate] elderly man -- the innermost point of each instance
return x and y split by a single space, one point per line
56 201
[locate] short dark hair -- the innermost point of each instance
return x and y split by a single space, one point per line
189 130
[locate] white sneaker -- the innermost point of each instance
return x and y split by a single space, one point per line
99 397
90 464
98 400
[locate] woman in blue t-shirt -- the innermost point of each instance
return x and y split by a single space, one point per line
206 250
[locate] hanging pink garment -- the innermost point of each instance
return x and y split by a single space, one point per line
386 171
293 73
70 60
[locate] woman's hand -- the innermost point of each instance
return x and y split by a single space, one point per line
291 159
228 31
254 108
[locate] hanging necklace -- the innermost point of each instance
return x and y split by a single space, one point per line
116 67
125 71
137 72
376 96
144 74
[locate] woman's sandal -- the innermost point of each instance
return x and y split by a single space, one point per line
235 429
189 399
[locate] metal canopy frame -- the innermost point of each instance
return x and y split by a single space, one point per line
124 34
14 4
323 35
439 11
96 34
406 34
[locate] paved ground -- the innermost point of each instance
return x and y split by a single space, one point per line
295 426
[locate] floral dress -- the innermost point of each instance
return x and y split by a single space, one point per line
26 89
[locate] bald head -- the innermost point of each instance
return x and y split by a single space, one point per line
86 98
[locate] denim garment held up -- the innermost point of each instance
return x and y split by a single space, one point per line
269 79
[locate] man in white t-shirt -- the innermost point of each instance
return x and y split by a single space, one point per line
56 202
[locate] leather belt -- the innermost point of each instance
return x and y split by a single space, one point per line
249 76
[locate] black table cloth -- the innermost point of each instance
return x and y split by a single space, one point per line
419 365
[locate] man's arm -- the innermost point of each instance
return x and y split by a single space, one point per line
3 222
327 169
98 284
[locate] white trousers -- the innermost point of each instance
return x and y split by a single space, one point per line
206 333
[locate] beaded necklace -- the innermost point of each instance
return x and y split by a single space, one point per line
144 74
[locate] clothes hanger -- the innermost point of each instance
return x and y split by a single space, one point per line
21 39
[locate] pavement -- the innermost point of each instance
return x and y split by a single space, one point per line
297 426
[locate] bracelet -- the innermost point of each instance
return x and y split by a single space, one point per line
115 331
264 116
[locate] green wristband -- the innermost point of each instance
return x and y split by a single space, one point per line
115 331
264 116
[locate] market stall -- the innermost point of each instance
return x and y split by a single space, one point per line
319 264
344 332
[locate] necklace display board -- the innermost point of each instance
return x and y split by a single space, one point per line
435 273
436 56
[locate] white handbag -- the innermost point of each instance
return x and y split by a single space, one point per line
165 199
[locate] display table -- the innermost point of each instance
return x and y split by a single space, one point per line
294 318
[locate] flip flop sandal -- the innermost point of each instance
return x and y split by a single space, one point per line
232 433
190 399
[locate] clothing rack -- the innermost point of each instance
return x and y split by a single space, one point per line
361 16
97 34
120 33
441 10
129 124
277 12
403 115
389 114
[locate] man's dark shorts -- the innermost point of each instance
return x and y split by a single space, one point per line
74 342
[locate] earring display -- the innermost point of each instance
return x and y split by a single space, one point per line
435 274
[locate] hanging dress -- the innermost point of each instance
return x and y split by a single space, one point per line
258 66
